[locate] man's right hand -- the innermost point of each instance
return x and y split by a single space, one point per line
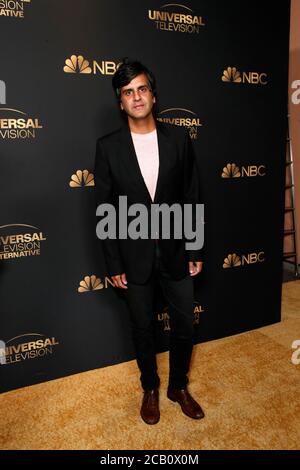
120 281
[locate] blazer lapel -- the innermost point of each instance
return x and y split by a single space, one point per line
164 149
131 164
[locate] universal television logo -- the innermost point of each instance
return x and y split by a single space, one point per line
234 260
18 127
198 310
164 316
79 65
232 75
15 124
26 346
231 170
183 118
183 20
20 245
13 8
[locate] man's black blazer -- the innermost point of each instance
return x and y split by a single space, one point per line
117 173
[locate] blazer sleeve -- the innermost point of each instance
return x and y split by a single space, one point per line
104 194
192 191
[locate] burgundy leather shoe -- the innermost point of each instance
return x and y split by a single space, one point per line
188 405
150 407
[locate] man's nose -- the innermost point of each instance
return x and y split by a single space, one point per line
136 95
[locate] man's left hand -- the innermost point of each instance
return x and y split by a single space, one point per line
195 267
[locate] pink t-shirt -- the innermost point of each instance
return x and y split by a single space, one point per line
146 149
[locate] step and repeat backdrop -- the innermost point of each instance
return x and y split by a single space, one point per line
221 70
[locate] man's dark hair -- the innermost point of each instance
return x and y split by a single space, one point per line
127 71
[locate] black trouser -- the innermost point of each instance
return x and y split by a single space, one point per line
140 299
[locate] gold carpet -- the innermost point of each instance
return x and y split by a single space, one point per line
246 384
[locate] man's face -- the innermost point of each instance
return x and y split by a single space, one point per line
136 98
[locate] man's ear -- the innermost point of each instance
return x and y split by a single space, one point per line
154 99
121 106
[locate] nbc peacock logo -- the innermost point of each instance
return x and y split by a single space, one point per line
234 260
90 283
231 74
231 170
82 178
77 64
93 283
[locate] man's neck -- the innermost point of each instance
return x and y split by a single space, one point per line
142 126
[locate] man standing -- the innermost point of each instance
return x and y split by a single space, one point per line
151 163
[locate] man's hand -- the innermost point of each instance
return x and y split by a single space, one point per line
195 267
120 281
